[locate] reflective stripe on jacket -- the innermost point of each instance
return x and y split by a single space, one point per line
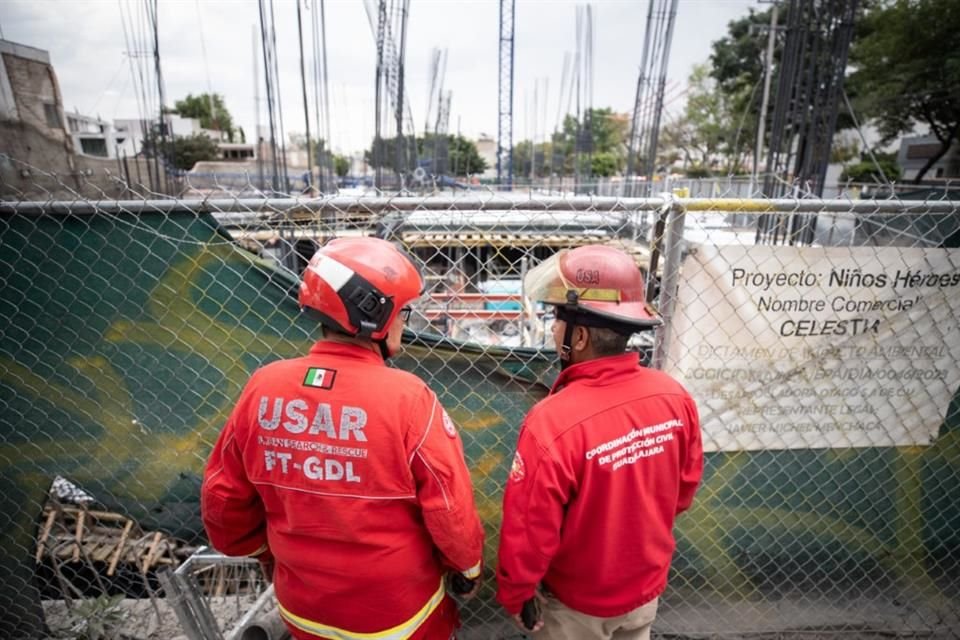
398 632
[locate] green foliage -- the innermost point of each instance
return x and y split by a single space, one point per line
605 164
697 171
715 132
738 59
866 170
906 61
183 151
525 152
604 140
605 132
462 155
341 165
209 109
737 65
96 619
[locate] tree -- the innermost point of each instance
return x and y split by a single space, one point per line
739 58
463 157
906 62
209 109
527 156
715 132
183 152
341 165
605 164
738 65
867 170
602 132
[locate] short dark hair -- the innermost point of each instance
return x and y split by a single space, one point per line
607 342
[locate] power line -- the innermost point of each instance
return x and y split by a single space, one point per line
109 84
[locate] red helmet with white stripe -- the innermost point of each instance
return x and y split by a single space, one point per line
357 286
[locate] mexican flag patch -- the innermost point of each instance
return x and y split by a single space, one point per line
320 378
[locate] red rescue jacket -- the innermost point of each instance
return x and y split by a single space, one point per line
603 466
352 475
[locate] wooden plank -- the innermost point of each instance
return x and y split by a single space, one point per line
123 541
99 515
79 536
47 526
221 587
153 548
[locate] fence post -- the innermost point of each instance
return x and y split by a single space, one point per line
672 247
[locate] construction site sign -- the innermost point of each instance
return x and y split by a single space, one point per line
816 347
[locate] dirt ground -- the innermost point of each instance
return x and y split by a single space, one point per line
145 619
785 620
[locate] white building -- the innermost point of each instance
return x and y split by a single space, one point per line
916 151
134 131
94 136
487 149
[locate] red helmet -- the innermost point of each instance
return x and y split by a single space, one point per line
359 285
597 281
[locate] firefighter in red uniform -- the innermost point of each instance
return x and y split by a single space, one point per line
603 465
345 475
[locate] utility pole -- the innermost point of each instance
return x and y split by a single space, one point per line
765 101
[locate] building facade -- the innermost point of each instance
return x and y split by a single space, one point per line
916 151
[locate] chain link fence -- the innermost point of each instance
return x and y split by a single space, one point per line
819 338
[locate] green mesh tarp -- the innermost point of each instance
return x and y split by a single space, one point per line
126 338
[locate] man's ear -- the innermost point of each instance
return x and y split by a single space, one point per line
581 338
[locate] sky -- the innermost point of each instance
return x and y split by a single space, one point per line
209 45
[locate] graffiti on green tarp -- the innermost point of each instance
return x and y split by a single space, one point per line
128 342
825 522
132 417
129 408
128 338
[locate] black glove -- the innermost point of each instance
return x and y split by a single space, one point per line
461 584
530 614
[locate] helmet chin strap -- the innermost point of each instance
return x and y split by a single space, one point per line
384 351
569 313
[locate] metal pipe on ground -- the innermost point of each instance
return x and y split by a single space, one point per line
267 626
261 621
